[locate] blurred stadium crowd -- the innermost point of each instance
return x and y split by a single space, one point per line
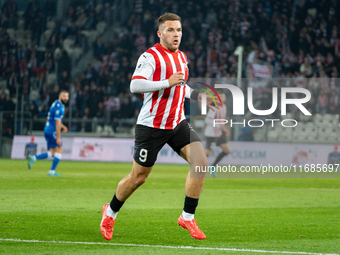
294 39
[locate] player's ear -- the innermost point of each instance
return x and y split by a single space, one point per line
159 33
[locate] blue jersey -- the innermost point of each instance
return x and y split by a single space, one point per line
56 112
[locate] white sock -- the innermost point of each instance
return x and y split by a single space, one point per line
111 213
52 171
34 158
49 155
188 216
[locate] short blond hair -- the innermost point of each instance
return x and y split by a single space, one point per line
168 16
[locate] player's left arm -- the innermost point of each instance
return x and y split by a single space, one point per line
63 128
58 131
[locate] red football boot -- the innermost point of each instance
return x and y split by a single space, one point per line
194 230
106 226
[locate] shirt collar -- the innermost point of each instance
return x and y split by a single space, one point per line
158 46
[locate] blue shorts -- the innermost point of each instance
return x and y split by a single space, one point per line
51 139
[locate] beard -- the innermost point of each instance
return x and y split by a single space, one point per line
64 101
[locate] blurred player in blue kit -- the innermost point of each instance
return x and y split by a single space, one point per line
52 133
31 148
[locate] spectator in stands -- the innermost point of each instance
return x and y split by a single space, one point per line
64 63
42 110
246 135
64 81
34 111
91 22
31 12
54 94
296 42
10 9
306 69
50 8
100 111
322 103
90 73
98 48
334 102
2 98
86 123
8 104
127 110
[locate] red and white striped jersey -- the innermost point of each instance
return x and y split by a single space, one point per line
210 130
162 109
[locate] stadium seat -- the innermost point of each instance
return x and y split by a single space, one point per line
310 138
299 133
51 78
45 36
99 129
34 95
327 116
286 135
317 118
326 120
10 32
50 25
272 135
334 120
101 27
108 131
288 116
3 84
259 136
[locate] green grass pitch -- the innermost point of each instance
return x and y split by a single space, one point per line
249 215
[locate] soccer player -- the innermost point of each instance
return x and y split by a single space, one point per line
218 134
161 75
52 133
31 148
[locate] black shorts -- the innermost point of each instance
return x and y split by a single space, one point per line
218 140
149 141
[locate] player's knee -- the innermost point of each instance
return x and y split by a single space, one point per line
140 180
204 162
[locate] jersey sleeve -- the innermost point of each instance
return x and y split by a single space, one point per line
58 112
145 67
188 91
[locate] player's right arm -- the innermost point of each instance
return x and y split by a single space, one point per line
145 69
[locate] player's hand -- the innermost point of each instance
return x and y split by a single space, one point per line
64 128
210 101
59 141
176 78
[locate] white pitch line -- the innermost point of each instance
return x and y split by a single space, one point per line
165 246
